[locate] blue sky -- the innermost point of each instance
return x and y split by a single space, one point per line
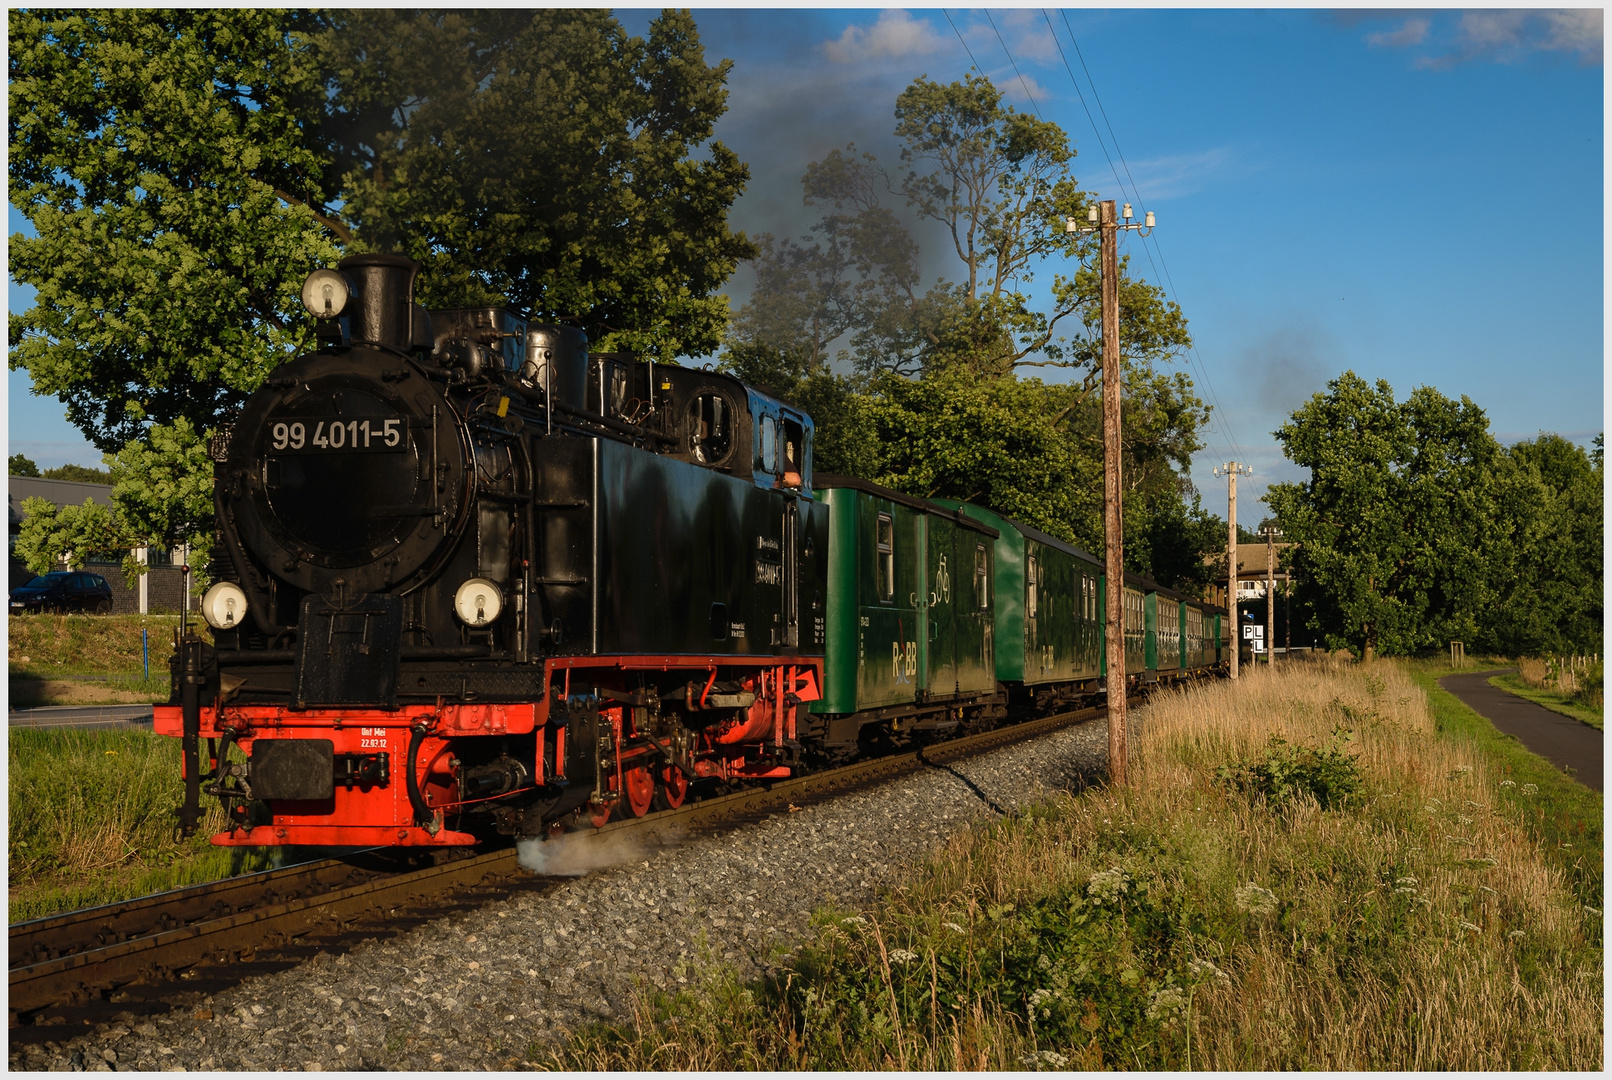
1417 196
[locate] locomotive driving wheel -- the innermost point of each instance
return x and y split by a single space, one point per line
671 788
640 785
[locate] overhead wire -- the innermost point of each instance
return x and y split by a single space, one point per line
1135 195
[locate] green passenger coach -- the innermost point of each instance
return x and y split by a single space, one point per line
1048 613
911 634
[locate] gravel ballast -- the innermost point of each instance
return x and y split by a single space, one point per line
476 990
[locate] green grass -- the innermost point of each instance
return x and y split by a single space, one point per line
1565 819
93 821
1556 702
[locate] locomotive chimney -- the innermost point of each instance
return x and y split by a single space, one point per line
382 310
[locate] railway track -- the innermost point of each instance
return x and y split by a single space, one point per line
71 971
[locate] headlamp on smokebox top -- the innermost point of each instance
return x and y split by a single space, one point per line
224 606
478 602
325 293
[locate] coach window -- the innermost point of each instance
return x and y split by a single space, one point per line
1030 587
982 581
886 544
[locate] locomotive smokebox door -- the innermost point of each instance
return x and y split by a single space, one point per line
293 769
348 653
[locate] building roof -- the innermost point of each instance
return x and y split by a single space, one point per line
60 492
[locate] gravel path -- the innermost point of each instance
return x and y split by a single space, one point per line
473 991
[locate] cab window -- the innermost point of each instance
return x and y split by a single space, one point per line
1030 587
982 580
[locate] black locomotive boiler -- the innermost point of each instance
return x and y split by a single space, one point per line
470 577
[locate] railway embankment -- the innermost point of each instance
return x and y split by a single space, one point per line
1328 868
506 985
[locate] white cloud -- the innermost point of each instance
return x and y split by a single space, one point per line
1176 175
1509 36
1414 32
897 35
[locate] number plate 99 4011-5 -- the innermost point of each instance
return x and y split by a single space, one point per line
318 436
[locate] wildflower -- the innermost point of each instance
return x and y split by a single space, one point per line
1203 969
1530 789
902 956
1169 1004
854 920
1038 1001
1463 819
1405 890
1046 1057
1043 963
1107 886
1508 783
1468 926
953 927
1255 900
1516 934
1406 881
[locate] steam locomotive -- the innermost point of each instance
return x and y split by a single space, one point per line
472 578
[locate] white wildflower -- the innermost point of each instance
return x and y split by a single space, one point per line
1107 886
953 927
1255 900
1508 783
1468 926
1045 1057
1169 1004
1530 789
1463 819
1204 969
1040 996
854 920
1404 890
902 956
1406 881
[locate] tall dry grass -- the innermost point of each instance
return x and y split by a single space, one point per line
1184 923
1480 903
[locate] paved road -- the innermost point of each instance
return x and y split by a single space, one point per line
1559 739
82 716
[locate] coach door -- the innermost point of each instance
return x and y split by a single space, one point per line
940 637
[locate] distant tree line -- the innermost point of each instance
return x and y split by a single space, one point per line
1417 528
22 465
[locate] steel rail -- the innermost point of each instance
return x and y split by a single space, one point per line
86 964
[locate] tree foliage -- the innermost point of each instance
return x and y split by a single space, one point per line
1417 528
934 402
149 149
543 159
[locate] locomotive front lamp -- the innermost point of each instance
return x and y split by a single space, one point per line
325 294
224 606
478 602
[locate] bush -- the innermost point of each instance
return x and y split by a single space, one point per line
1325 774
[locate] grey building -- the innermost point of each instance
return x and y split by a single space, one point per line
160 589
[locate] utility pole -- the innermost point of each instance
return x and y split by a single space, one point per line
1101 219
1271 533
1231 470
